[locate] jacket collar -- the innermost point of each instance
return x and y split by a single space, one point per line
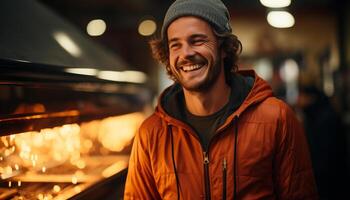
172 98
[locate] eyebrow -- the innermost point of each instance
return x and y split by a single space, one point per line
198 35
173 40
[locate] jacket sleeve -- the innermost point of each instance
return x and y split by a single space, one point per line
140 183
293 172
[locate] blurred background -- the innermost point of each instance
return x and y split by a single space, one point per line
301 47
313 35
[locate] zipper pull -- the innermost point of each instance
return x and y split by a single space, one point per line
224 171
224 164
206 175
205 158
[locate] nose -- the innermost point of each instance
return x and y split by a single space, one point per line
187 51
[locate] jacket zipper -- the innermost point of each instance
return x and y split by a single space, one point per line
206 175
224 174
206 171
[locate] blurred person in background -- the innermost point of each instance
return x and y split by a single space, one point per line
217 132
326 136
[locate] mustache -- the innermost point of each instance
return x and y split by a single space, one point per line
195 59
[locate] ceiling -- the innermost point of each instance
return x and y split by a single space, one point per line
122 11
123 16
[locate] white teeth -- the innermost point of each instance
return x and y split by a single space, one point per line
190 68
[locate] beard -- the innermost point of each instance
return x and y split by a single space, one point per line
212 74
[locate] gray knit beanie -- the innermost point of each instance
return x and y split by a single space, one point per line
213 11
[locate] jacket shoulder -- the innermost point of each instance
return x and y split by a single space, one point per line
271 110
279 107
274 101
152 124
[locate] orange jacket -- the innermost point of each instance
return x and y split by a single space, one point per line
260 152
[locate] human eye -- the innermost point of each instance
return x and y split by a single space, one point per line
174 45
198 41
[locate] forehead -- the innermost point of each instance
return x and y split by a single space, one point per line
187 26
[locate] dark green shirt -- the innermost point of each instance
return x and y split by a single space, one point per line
206 126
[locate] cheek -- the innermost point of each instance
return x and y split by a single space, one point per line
172 59
208 52
172 62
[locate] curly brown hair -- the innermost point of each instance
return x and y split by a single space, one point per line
228 42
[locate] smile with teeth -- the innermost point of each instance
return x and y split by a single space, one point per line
191 67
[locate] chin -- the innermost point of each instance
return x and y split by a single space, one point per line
197 87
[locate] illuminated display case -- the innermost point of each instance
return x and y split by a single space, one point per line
68 109
65 137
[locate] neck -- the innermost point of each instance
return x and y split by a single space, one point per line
207 102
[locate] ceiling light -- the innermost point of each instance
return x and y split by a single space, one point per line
147 27
82 71
275 3
280 19
123 76
67 43
96 27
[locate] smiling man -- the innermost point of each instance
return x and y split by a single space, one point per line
217 132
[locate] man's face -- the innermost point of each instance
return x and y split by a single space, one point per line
194 55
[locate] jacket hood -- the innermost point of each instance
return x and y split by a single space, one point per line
173 97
